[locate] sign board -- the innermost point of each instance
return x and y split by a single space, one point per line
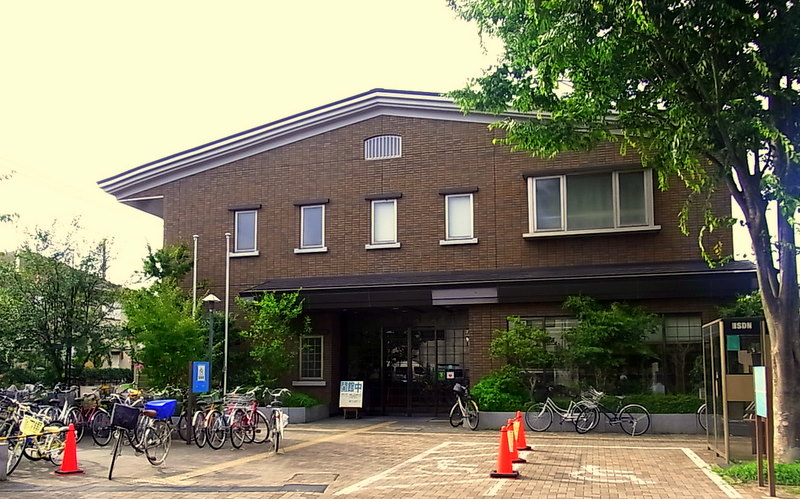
201 377
760 385
746 325
351 394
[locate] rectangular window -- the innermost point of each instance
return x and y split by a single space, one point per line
458 217
384 222
593 202
245 231
312 226
311 357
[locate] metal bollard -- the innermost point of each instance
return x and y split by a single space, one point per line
3 461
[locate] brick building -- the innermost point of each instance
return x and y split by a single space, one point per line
413 237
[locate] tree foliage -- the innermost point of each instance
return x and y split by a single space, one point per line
524 346
170 262
56 308
748 305
276 324
705 91
168 336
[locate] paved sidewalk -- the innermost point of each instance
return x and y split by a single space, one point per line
390 457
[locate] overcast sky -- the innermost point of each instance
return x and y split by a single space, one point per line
93 88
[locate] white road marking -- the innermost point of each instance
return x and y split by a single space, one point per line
495 488
727 489
597 474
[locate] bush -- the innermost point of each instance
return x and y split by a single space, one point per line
656 403
297 399
785 474
107 375
501 390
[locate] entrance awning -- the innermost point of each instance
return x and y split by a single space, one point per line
692 279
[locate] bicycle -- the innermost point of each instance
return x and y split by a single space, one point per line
30 435
464 410
634 419
254 423
220 425
539 415
208 403
277 420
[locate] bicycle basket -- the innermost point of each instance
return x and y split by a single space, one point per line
31 425
460 389
124 416
68 397
164 408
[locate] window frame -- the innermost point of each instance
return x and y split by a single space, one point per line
448 238
563 229
391 142
393 243
321 358
244 252
306 248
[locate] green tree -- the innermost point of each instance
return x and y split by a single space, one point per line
57 311
607 338
276 323
524 346
748 305
168 336
708 91
172 261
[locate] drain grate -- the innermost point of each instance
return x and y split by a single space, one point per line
313 478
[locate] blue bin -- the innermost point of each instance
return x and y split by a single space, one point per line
164 408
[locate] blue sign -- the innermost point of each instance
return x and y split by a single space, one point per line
201 377
760 385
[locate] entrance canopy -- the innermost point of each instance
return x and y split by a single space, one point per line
692 279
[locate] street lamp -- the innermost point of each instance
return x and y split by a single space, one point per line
210 301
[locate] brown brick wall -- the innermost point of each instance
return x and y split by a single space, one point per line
436 155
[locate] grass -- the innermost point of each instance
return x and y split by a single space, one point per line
785 474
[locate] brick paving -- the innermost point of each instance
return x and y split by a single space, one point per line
382 457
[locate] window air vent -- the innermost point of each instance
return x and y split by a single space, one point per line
383 147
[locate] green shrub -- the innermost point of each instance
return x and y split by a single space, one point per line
501 390
656 403
785 474
107 375
297 399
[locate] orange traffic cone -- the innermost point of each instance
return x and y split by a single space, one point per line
522 443
512 442
504 467
69 465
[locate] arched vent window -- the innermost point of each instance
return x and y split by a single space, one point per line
383 147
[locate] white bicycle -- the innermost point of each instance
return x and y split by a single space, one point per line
464 410
277 419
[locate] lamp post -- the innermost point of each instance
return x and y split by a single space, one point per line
227 309
210 301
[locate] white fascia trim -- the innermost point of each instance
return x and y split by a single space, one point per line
291 130
568 233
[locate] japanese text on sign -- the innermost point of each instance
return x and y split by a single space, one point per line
351 393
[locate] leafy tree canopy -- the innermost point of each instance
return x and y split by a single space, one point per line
524 346
171 261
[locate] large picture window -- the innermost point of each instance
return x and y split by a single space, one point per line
591 202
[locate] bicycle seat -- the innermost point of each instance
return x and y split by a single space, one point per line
150 413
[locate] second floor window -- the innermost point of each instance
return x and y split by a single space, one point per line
384 222
245 231
312 226
591 202
458 217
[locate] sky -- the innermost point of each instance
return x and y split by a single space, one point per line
93 88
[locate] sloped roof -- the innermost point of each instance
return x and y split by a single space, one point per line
364 106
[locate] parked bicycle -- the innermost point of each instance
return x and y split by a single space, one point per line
539 415
634 419
277 419
465 410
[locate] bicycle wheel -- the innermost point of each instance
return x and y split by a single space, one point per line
216 430
277 431
75 418
538 416
587 419
237 428
100 425
15 450
157 441
185 428
136 436
634 419
199 429
55 443
260 428
473 415
702 417
456 418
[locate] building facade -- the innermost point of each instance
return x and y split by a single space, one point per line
412 237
